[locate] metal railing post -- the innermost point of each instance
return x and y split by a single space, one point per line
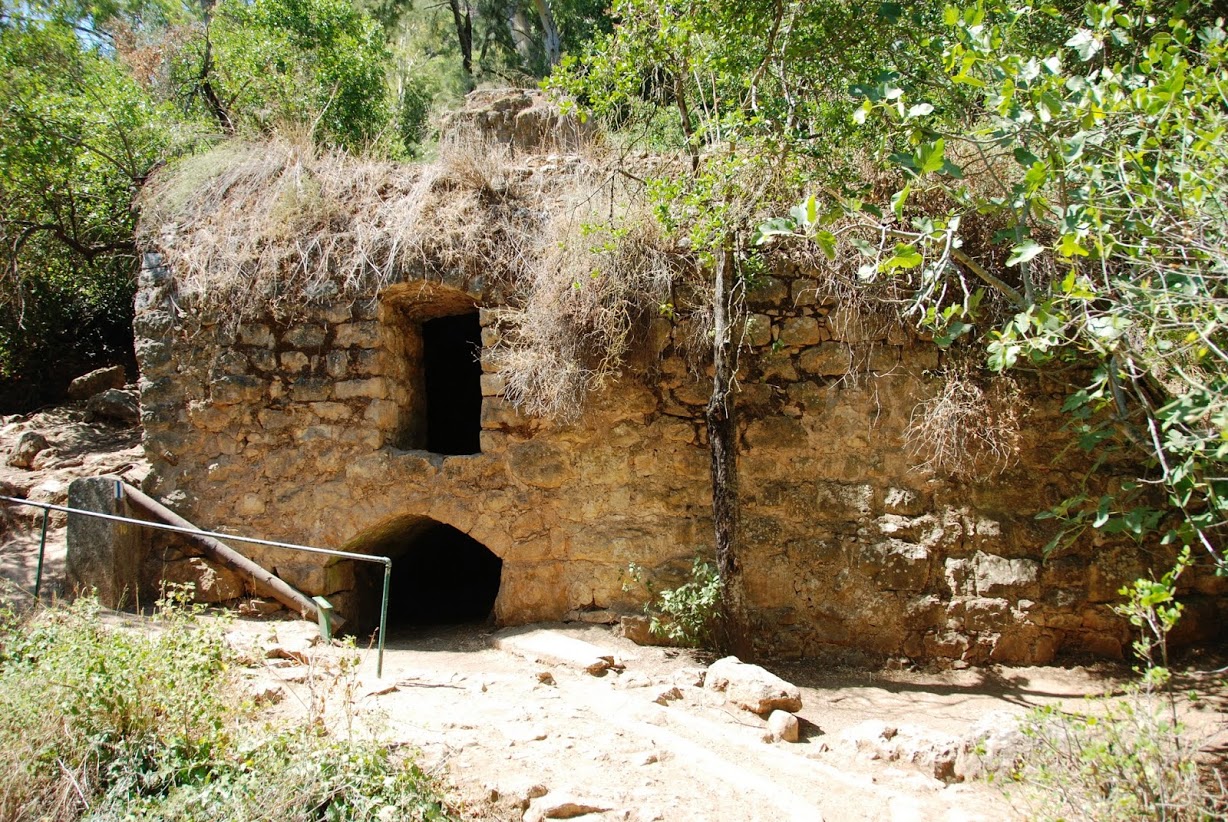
42 549
383 618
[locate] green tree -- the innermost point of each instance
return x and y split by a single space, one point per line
77 137
752 95
1100 161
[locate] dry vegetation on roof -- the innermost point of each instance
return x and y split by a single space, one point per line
252 229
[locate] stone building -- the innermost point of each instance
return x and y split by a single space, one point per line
379 425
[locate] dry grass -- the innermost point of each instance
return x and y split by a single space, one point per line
968 429
252 229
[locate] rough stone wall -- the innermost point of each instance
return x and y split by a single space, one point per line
307 432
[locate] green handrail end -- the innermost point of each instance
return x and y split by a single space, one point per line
324 615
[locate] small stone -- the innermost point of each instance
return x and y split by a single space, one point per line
29 445
545 677
783 726
562 807
268 695
667 696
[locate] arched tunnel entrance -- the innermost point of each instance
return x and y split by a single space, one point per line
440 576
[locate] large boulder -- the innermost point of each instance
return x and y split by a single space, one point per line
751 687
29 445
115 405
87 385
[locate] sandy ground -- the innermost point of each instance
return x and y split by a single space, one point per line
503 729
516 738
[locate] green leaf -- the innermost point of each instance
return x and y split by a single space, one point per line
1024 251
905 256
775 227
920 110
827 243
1085 44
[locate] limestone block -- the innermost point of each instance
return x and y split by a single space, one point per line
850 324
985 614
755 395
693 391
897 565
115 405
383 414
237 390
375 388
152 354
783 726
882 358
826 360
368 362
778 365
103 555
758 330
775 432
331 411
805 292
211 583
538 464
947 645
493 385
768 292
499 413
752 687
311 389
29 445
1025 644
294 362
228 363
796 332
337 364
307 337
336 313
997 575
256 335
87 385
358 335
904 502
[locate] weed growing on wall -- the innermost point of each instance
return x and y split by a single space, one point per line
685 615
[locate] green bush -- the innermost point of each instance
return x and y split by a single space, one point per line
685 615
143 722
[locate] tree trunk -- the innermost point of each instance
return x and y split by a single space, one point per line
463 19
550 33
734 636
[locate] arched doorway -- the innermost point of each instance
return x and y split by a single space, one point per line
440 575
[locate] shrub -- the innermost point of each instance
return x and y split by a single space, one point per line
685 615
143 722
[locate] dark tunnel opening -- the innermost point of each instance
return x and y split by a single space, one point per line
453 372
440 576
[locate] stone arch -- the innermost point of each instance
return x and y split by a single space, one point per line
440 575
435 338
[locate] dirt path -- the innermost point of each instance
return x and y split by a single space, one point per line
504 729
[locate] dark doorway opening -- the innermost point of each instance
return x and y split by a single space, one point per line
442 577
451 350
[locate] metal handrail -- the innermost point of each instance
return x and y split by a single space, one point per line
48 507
